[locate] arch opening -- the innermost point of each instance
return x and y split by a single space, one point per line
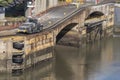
94 15
94 25
64 31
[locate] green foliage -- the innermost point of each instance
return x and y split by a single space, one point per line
5 2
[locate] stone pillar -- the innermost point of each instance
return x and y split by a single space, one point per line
37 5
45 2
9 49
55 2
50 3
42 5
3 56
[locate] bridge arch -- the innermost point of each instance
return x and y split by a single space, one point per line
94 25
63 31
94 14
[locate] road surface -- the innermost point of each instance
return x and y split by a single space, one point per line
53 16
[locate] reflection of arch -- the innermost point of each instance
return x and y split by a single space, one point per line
64 31
95 14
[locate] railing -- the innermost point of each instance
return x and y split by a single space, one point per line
7 24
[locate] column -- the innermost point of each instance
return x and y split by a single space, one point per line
35 6
44 4
55 2
50 3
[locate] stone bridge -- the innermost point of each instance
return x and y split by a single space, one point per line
30 49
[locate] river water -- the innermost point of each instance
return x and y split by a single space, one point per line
95 61
98 61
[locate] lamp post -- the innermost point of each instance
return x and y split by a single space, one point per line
29 11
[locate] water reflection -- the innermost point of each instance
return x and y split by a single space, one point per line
96 61
93 62
63 70
41 71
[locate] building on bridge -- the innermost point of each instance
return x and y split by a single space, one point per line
34 7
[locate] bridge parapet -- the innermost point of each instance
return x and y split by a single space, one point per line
104 8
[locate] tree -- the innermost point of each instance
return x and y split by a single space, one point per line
5 2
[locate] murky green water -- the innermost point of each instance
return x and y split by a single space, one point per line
96 61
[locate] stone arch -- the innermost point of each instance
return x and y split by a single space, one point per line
94 14
66 29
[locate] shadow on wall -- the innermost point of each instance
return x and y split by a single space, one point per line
64 31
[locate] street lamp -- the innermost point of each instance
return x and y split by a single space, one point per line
30 7
30 4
